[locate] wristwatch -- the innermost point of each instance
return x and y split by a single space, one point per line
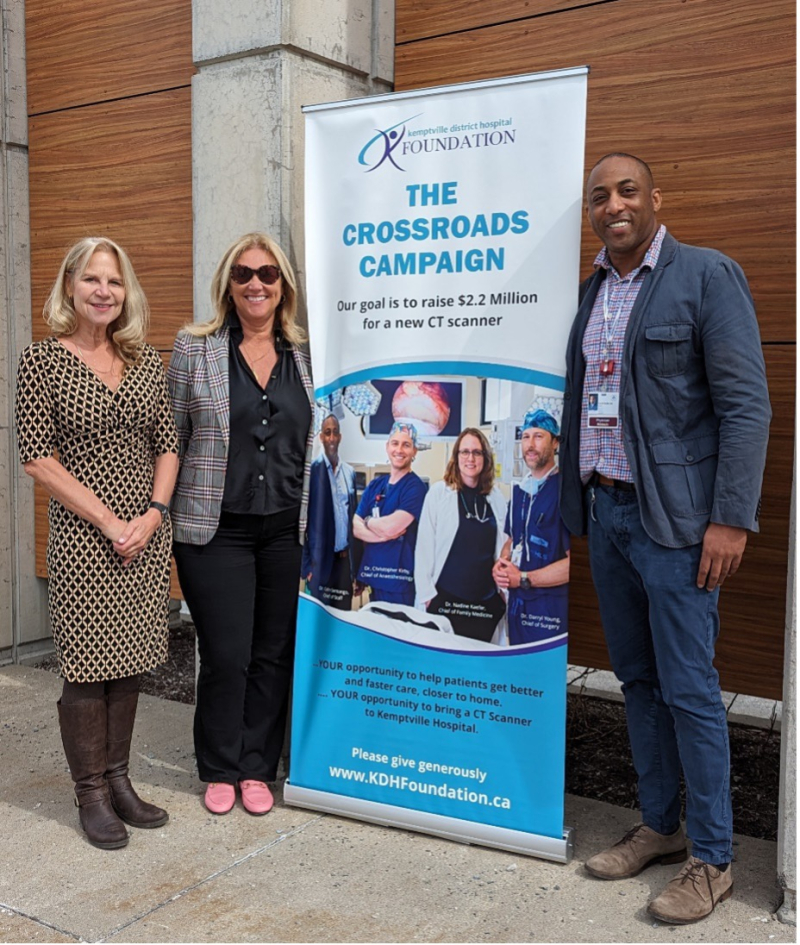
160 507
524 581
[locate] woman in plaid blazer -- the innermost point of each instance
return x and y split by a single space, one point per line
243 401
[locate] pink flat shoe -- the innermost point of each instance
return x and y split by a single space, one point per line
220 798
256 797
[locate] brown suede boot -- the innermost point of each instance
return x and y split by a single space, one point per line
693 893
639 848
83 733
126 802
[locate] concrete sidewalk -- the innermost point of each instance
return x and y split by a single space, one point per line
298 876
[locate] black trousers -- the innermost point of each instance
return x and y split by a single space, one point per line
241 589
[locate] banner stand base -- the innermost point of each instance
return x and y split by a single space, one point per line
451 828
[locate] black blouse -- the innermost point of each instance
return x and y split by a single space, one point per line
269 427
467 571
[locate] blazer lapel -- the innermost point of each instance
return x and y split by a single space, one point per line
217 361
303 369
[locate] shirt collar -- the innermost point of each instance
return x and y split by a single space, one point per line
235 328
330 465
650 257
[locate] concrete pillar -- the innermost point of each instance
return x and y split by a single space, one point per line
787 805
258 63
23 622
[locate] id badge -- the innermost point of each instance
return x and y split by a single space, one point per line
376 512
603 409
516 555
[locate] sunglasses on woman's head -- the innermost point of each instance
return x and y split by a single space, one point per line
268 275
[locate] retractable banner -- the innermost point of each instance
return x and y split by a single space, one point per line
442 261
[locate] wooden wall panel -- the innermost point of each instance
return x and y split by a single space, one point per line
705 93
81 53
753 607
121 169
420 19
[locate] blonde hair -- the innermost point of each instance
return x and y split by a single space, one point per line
452 475
126 333
286 313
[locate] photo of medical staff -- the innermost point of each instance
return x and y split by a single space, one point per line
534 562
460 537
328 547
386 522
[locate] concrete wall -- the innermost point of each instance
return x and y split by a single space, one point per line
23 621
787 806
258 64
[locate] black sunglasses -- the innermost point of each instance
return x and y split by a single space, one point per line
268 275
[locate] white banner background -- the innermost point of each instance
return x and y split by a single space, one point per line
488 153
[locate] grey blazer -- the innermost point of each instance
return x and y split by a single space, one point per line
693 401
199 387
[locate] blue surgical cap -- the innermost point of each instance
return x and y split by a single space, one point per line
542 420
408 428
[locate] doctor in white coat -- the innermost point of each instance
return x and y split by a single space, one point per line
460 535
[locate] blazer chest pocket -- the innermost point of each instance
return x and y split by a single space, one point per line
668 348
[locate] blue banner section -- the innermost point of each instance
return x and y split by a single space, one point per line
408 718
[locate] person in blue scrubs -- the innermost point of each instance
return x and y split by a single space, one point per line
386 521
534 563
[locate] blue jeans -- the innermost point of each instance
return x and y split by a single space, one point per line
661 630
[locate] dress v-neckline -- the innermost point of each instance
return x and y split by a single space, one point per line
111 390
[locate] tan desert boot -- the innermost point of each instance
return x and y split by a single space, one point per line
693 893
639 848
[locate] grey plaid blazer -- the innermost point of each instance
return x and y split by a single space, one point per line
198 385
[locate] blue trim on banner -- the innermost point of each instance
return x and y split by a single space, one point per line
506 372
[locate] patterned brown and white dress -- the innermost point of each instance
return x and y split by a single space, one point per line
109 621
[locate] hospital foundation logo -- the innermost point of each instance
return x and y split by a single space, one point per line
381 147
396 143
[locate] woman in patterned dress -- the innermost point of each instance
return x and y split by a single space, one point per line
243 399
96 431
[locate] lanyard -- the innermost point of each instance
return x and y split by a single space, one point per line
610 327
533 498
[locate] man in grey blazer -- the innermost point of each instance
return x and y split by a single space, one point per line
664 473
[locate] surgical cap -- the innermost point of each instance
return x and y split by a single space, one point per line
542 420
407 428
